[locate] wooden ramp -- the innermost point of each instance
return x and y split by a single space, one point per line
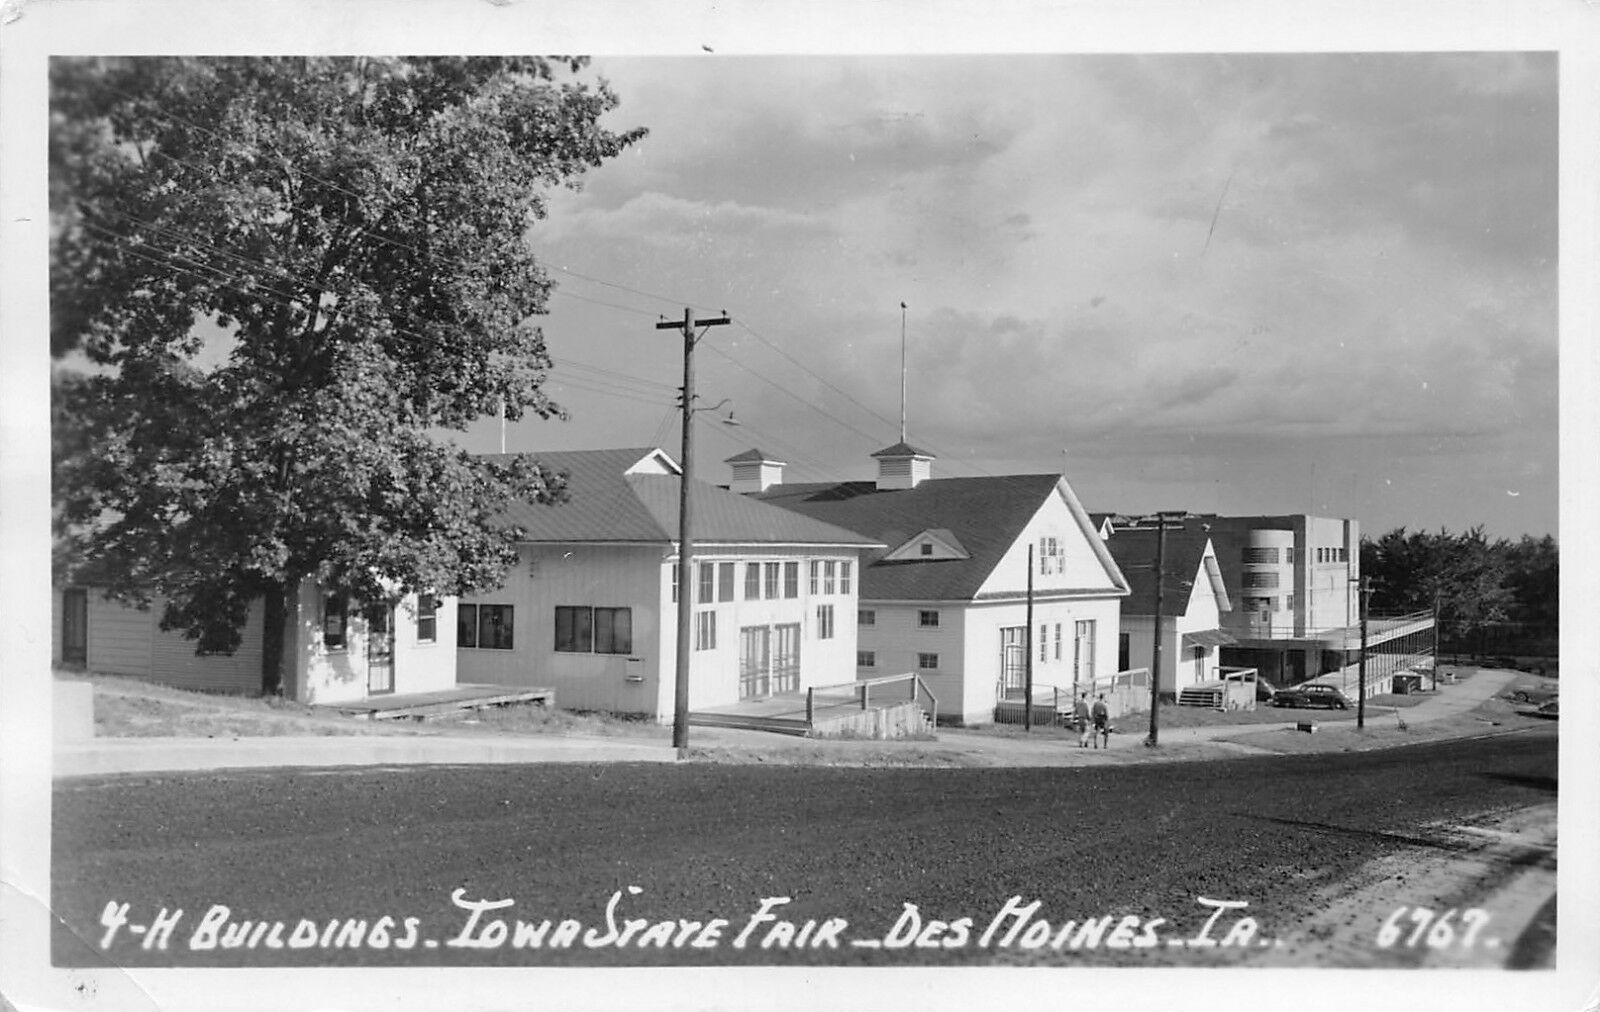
422 705
786 714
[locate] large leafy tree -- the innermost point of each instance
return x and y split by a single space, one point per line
1466 572
351 235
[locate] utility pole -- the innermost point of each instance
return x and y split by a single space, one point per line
1027 645
1361 670
1155 652
686 583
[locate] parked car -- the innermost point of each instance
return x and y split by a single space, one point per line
1551 708
1303 696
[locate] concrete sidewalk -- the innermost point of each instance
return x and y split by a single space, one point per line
139 755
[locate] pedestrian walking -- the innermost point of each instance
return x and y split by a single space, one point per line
1080 719
1102 722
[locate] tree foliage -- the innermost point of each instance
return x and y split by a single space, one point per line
354 233
1478 582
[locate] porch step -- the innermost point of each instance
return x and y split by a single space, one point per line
1208 697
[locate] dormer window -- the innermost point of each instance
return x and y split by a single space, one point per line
926 548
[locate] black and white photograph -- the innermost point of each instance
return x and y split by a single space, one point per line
836 506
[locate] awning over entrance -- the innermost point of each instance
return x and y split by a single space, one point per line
1208 638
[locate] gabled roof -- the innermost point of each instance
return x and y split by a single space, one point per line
752 456
985 515
902 449
1135 552
607 503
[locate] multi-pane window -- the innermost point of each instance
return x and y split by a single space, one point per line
1044 644
1051 559
816 577
708 582
827 577
824 621
772 573
927 548
492 626
674 583
866 659
927 619
1058 641
335 618
705 630
844 577
582 629
791 580
1261 555
1262 580
427 618
927 662
752 581
866 617
724 581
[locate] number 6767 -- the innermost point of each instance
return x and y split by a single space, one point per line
1409 927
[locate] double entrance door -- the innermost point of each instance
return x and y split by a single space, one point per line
769 660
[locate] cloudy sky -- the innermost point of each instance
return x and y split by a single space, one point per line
1254 283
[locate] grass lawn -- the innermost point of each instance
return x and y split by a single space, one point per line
126 707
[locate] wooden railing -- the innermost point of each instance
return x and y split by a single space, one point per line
863 691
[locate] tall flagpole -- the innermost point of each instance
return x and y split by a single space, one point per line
902 372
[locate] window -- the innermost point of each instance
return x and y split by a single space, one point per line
791 580
724 581
927 620
1058 641
335 618
705 630
1262 580
427 618
613 630
827 577
773 569
494 626
581 629
1261 555
1044 643
1050 557
926 547
1123 648
844 577
866 616
574 630
1288 603
466 625
816 576
752 581
708 582
928 662
824 621
674 583
866 659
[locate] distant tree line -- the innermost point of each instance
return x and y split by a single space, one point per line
1494 596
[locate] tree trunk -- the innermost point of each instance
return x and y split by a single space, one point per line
274 624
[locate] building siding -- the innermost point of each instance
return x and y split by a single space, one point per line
639 577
